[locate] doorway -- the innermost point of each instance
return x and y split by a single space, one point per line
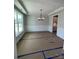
55 19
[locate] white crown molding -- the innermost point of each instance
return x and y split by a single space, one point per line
57 10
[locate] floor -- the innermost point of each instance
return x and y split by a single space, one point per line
40 45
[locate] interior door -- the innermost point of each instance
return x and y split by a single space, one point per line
55 18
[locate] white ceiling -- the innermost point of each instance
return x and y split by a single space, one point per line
48 6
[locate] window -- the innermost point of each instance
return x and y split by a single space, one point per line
18 17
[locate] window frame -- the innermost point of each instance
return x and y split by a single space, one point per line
17 13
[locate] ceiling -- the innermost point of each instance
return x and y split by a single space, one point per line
33 6
19 6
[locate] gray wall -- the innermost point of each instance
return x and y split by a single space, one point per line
33 24
15 48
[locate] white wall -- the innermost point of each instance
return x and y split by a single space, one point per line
51 21
60 25
33 25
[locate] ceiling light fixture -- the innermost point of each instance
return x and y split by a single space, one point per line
41 16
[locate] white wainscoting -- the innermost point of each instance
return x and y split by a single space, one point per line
37 28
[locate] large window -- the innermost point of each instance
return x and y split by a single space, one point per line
18 17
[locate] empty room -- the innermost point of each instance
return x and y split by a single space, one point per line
39 29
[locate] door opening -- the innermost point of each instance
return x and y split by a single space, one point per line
55 19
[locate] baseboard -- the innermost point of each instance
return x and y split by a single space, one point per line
20 37
37 31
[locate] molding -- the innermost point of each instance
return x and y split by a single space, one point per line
19 9
22 4
19 37
57 10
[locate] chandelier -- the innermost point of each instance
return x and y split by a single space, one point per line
41 16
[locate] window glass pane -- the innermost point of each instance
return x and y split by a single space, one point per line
16 29
16 23
20 21
20 27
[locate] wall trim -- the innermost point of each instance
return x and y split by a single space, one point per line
19 37
15 7
22 4
57 10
